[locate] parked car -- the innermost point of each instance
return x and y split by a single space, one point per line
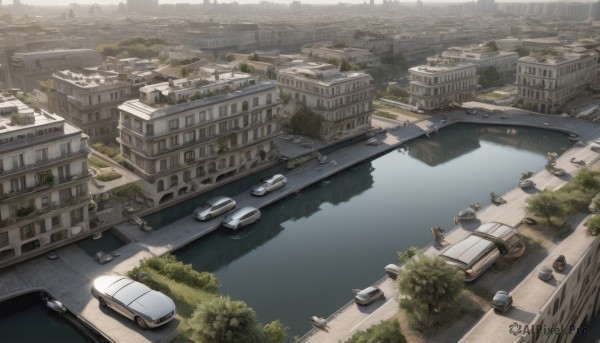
368 295
545 273
242 217
502 301
268 184
214 207
392 270
473 255
471 111
134 300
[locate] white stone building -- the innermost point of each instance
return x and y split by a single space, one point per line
436 86
188 135
88 99
505 62
546 82
356 56
43 182
343 99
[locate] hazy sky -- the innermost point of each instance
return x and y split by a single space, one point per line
106 2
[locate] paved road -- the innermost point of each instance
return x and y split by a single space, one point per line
69 278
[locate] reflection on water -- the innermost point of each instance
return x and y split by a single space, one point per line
309 251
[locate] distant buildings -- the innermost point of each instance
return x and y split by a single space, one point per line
24 69
43 181
142 6
436 86
504 62
356 56
545 82
343 99
88 99
187 135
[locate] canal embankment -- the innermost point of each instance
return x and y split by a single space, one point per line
70 276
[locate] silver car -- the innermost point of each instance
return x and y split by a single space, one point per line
268 184
242 217
214 207
134 300
368 295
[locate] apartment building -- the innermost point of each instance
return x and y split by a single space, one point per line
505 62
24 69
88 99
356 56
187 135
43 181
343 99
546 82
436 86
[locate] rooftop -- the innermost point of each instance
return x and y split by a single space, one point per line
552 59
440 68
87 78
322 73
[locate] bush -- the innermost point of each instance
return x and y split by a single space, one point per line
306 122
107 175
385 332
107 150
593 225
168 266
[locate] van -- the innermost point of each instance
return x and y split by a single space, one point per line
506 238
473 256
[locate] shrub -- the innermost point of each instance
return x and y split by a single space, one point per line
385 332
168 266
107 175
104 149
593 225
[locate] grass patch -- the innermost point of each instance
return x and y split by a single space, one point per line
104 149
107 174
96 162
480 291
493 96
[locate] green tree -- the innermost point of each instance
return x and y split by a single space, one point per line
593 225
333 60
522 51
545 204
406 255
184 72
245 68
306 122
275 332
344 65
595 204
489 76
253 57
431 286
588 181
491 46
223 320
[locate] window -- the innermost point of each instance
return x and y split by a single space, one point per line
246 120
174 160
200 171
189 120
189 155
173 141
77 216
65 148
81 190
163 164
254 102
222 127
173 124
244 137
187 176
44 177
268 99
18 184
45 202
189 137
65 195
174 180
255 117
202 133
3 239
233 108
202 116
222 111
160 186
222 163
245 106
41 155
162 145
55 222
27 231
58 236
42 225
17 161
64 173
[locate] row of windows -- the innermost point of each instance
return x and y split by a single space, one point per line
39 155
325 90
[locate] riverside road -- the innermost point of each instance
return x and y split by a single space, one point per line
69 277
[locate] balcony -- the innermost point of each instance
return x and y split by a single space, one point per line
31 167
15 218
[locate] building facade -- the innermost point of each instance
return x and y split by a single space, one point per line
505 62
356 56
188 135
545 83
344 100
43 182
88 99
435 86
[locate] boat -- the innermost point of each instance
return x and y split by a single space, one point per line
595 148
55 305
372 141
318 322
97 235
102 258
558 172
322 159
527 183
52 256
465 214
496 199
574 138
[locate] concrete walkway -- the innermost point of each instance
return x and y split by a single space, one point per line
69 278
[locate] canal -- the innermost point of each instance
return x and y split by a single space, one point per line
310 250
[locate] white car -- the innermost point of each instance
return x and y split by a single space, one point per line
368 295
214 207
242 217
134 300
268 184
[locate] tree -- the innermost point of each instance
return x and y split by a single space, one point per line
405 256
223 320
275 332
344 65
245 68
431 285
305 121
595 204
489 76
588 181
491 46
385 332
545 204
184 72
253 57
522 51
